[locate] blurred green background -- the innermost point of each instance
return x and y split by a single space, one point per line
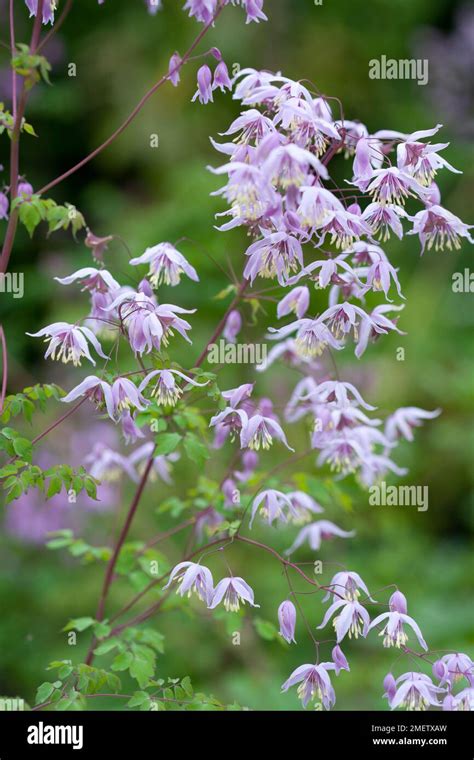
146 195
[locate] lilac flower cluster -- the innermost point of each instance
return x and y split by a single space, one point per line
196 578
279 189
201 10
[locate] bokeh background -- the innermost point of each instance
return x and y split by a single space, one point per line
147 195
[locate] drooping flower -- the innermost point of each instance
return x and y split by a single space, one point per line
317 532
390 185
384 218
376 324
315 684
232 591
402 422
166 265
153 6
69 342
161 464
126 396
259 431
93 279
271 504
312 337
379 276
393 630
414 691
221 78
464 701
98 245
3 206
235 396
347 584
166 391
252 125
202 10
317 206
339 659
174 69
108 465
249 192
287 620
288 165
451 668
25 190
49 6
296 300
150 324
192 577
253 9
276 254
94 388
328 271
204 89
390 686
131 431
232 326
438 227
353 619
419 159
303 507
122 395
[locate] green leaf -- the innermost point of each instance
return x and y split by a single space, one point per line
266 629
166 443
138 699
55 486
101 629
195 450
23 448
14 493
107 646
79 624
142 669
44 692
122 661
29 216
186 685
29 129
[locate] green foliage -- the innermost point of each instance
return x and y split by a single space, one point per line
167 442
7 123
134 650
19 475
196 450
24 403
266 629
6 120
77 547
73 684
32 67
175 694
34 209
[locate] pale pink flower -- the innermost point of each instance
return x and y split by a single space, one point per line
69 342
317 532
232 591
